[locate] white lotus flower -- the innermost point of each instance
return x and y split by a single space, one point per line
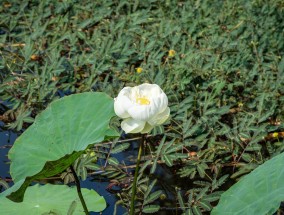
142 107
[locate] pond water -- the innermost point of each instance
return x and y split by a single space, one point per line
7 138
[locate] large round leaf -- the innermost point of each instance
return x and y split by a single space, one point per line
259 192
58 199
59 135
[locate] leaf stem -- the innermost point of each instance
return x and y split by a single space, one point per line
133 195
79 190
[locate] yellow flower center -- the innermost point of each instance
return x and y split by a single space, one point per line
172 53
142 101
139 70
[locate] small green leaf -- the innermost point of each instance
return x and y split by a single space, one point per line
196 210
145 165
153 196
92 166
211 111
188 212
223 110
154 166
205 205
213 196
151 209
180 200
119 148
149 189
175 148
168 160
113 161
200 170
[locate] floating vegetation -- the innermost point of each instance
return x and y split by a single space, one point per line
220 63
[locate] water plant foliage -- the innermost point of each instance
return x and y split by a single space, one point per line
52 199
57 138
221 64
260 192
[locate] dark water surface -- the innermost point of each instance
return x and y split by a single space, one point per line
7 138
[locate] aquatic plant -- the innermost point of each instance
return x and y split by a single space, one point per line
260 192
142 107
220 64
56 139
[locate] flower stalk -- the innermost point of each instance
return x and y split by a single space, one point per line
79 190
133 195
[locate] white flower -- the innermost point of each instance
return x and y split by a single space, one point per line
142 107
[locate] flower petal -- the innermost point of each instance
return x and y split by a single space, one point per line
141 112
132 126
158 101
147 128
160 118
159 104
122 103
150 88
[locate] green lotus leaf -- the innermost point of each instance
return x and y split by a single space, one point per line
52 199
58 137
259 192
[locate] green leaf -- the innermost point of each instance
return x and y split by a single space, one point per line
213 196
174 148
149 188
180 200
92 166
85 23
205 205
151 209
113 161
202 193
281 65
211 111
154 165
220 181
52 198
192 130
153 196
259 192
168 160
196 210
59 135
200 170
188 212
119 148
145 165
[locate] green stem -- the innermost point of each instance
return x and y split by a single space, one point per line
132 210
79 190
